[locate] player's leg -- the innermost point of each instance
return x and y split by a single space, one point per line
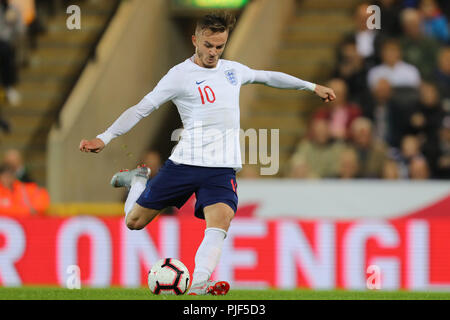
218 218
139 217
217 204
135 181
146 199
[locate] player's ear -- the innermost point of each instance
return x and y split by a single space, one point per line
194 40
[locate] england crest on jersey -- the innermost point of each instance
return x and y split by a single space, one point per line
231 77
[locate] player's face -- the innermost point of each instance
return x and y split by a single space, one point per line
209 47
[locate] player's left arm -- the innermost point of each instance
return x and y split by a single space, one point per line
285 81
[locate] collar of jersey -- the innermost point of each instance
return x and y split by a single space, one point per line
191 59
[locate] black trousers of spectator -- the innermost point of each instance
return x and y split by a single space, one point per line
8 68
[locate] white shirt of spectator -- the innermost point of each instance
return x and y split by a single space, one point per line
402 74
208 103
365 43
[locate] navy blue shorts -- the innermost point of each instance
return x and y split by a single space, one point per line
175 183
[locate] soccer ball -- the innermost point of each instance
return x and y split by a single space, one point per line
168 276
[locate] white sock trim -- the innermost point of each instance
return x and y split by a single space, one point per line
217 229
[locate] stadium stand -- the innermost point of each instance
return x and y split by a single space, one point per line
306 51
396 75
53 68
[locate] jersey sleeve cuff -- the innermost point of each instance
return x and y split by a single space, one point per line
311 86
106 137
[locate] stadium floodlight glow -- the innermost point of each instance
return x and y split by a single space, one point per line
216 4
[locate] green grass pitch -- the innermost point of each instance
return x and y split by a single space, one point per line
50 293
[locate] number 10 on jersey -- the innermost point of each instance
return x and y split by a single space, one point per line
208 93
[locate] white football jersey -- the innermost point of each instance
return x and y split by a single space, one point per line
208 103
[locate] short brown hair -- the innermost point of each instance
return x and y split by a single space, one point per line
220 21
390 42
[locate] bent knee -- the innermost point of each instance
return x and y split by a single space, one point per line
228 216
220 216
227 213
134 224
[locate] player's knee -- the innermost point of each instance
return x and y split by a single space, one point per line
220 218
228 215
130 224
133 224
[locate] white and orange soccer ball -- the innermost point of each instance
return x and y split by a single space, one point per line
168 276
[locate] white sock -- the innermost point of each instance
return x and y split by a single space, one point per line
138 185
208 254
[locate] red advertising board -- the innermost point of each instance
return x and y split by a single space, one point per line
411 253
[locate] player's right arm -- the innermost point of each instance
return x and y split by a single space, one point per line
167 89
95 145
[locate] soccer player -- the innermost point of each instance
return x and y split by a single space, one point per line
205 90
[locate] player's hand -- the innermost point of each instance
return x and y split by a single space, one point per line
325 93
95 145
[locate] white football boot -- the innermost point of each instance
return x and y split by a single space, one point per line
123 178
215 288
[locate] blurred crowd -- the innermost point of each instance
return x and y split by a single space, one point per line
391 118
19 27
20 196
21 22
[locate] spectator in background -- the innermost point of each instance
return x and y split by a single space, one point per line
409 149
435 23
389 117
393 69
429 115
443 76
418 49
366 40
390 11
20 199
391 170
349 166
298 169
438 155
11 28
339 113
380 111
34 27
317 155
371 152
352 69
152 159
13 158
418 169
27 10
